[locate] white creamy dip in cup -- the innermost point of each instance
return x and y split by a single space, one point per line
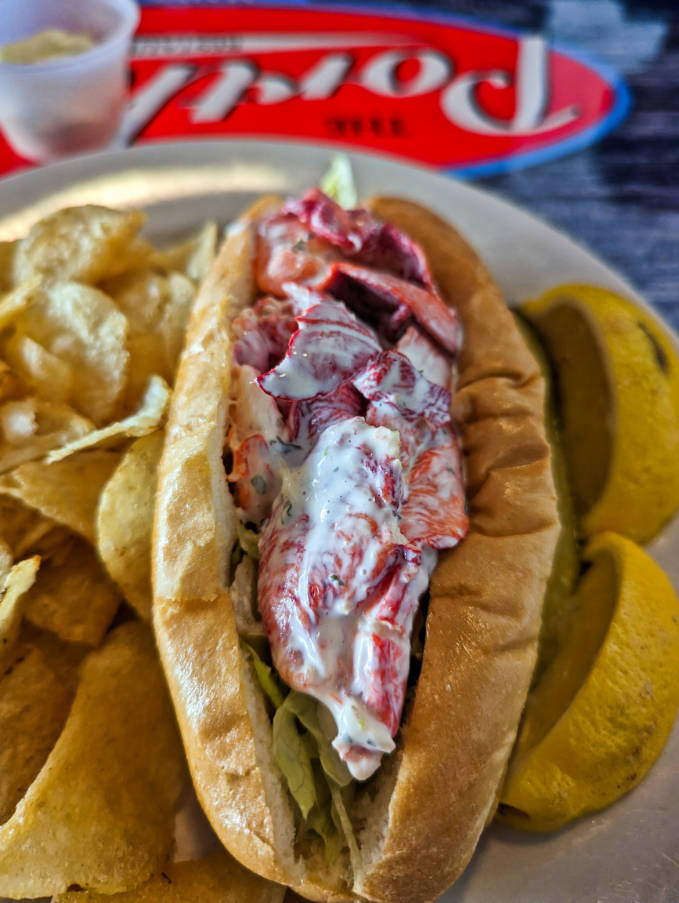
72 104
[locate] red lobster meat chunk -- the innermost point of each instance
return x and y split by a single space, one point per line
358 235
298 242
308 418
261 333
256 482
434 513
391 378
335 568
389 302
426 356
329 346
287 252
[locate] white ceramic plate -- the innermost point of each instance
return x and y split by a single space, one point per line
630 852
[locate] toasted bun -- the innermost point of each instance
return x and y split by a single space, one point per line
422 815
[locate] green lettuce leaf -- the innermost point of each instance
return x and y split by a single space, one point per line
343 822
236 555
338 182
248 541
322 821
264 675
293 757
306 709
318 780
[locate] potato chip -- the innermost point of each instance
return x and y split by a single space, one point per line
191 257
7 251
125 521
217 878
141 295
136 255
6 559
87 243
145 420
156 305
18 300
30 427
147 357
11 387
67 491
100 812
64 658
51 543
38 368
33 417
21 526
34 702
83 327
13 602
72 596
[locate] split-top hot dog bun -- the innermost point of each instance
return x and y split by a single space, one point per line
419 819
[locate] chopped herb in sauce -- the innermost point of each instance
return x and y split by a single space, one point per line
259 483
287 512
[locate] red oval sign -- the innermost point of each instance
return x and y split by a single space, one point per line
447 92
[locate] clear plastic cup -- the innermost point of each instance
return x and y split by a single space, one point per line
68 105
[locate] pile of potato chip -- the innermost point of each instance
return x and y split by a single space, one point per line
92 322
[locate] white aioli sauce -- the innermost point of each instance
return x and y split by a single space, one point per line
305 370
330 489
334 495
